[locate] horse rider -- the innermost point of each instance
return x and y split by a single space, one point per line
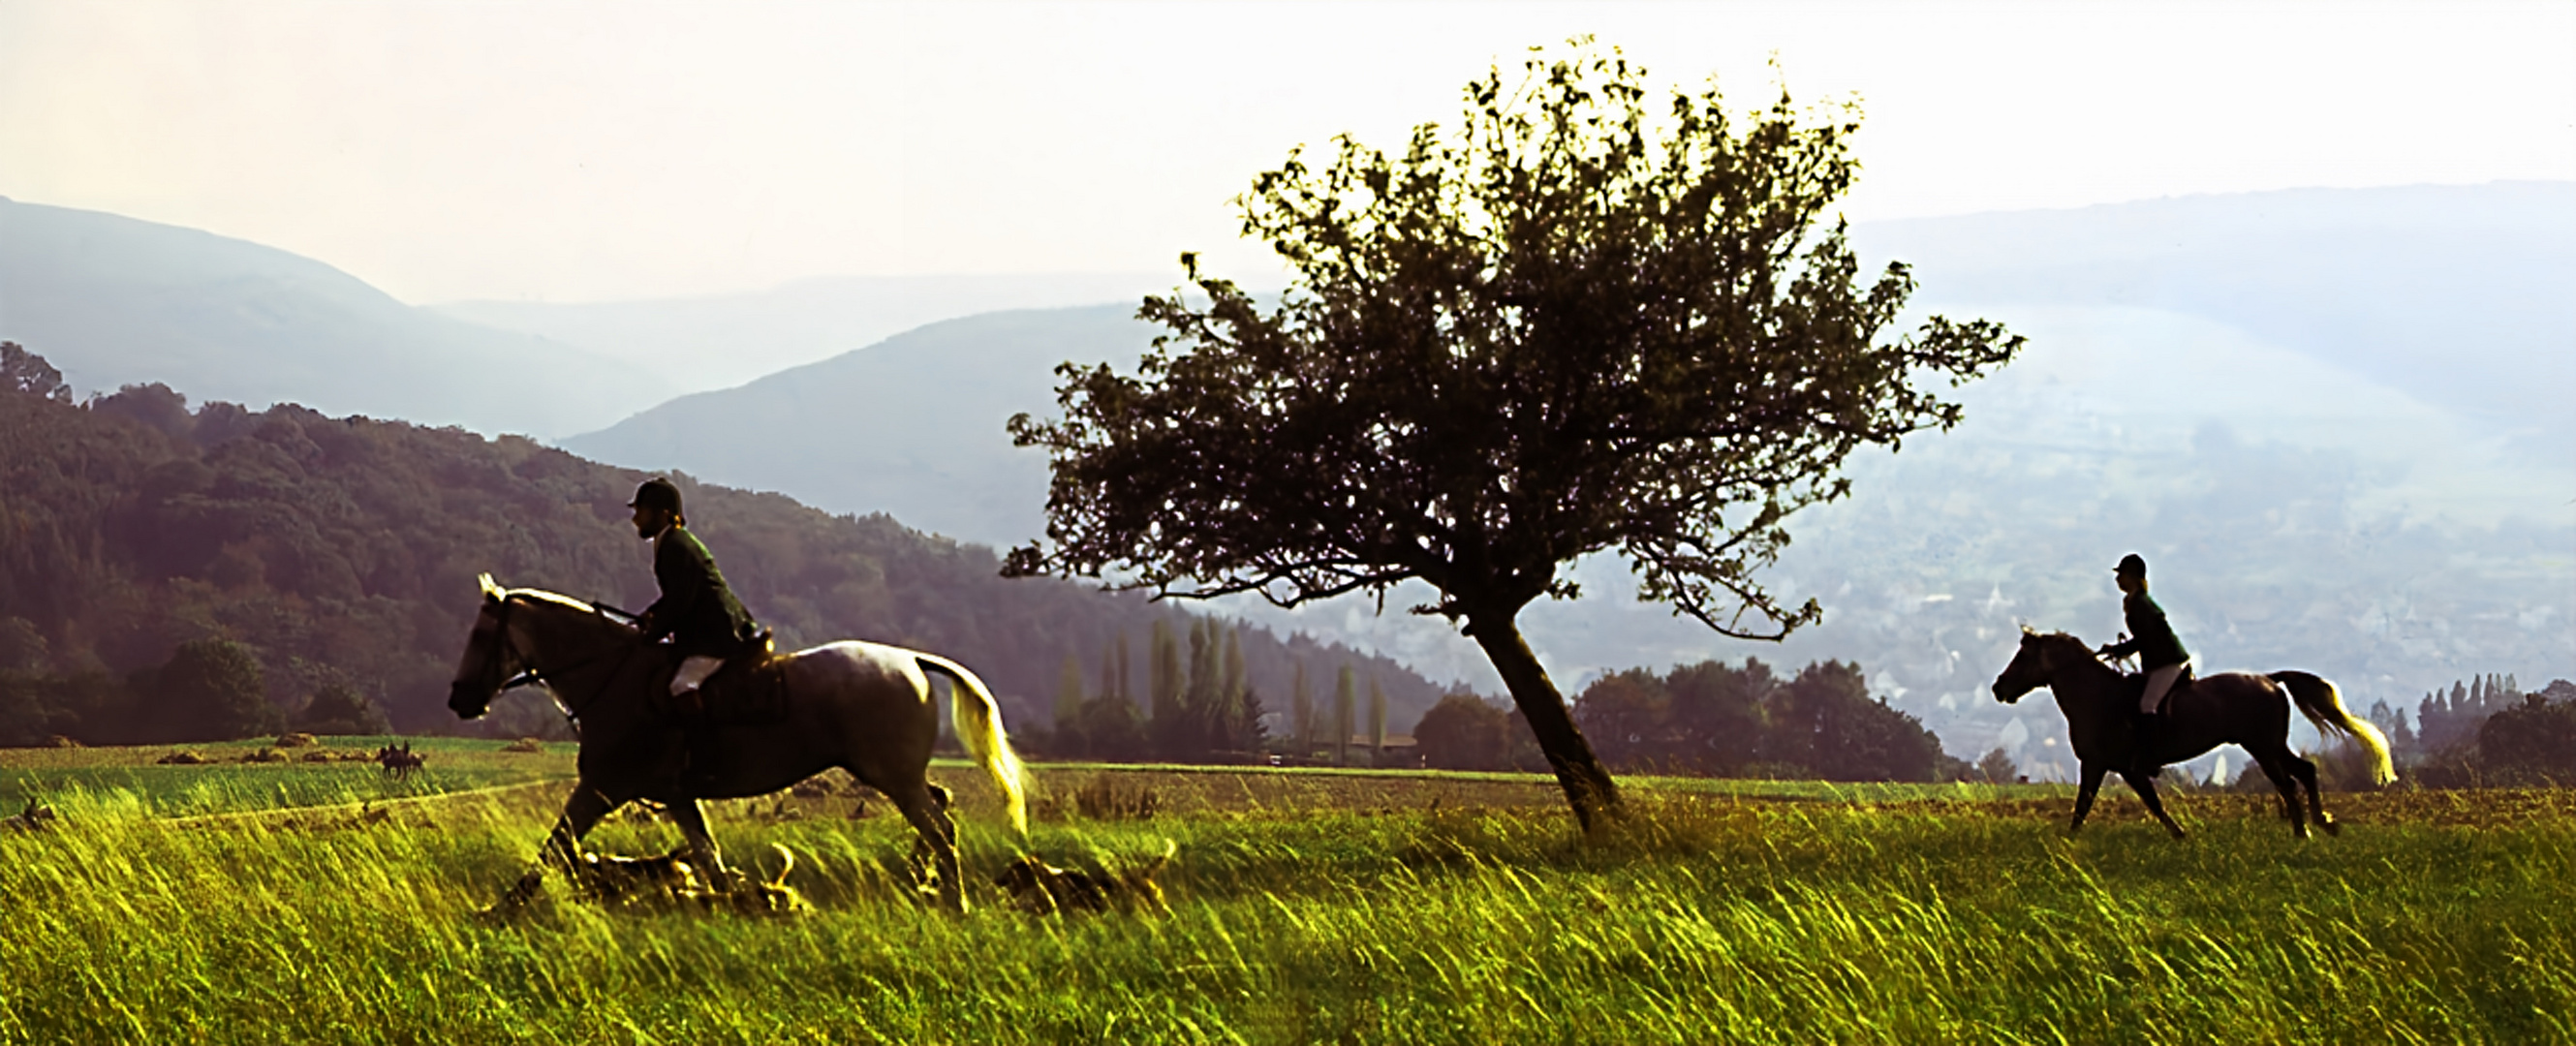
705 624
2150 637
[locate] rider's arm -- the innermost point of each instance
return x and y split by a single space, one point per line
683 583
2152 635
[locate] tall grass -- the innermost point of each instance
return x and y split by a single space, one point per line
1706 919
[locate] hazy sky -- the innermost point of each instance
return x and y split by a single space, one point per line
575 151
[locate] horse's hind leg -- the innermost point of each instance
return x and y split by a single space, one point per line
2306 772
925 806
2144 784
2276 764
563 845
921 850
691 816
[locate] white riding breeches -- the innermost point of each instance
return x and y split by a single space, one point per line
2159 681
694 671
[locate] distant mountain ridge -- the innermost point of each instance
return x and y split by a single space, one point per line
702 344
2459 294
915 421
2450 295
113 301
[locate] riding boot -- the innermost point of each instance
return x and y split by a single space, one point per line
700 771
676 756
2146 736
685 730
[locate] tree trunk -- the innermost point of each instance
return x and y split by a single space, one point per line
1588 788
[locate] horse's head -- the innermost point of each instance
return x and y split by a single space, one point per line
490 657
2032 666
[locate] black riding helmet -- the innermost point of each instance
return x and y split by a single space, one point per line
2129 564
658 493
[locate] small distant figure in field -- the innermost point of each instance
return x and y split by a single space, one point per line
1039 888
399 761
34 818
2151 639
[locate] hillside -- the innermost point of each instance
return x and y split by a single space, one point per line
344 550
720 341
915 422
113 301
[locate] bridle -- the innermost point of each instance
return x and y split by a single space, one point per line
528 674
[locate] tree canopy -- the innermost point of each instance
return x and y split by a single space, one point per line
1565 326
1718 719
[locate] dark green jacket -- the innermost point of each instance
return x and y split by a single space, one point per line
2149 636
696 610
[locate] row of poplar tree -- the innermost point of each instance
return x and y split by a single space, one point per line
1198 706
2446 718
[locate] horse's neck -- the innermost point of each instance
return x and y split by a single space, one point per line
565 636
2084 685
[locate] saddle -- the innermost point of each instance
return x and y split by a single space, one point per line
750 690
2137 681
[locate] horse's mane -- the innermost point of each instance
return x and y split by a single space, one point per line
2065 639
543 596
555 599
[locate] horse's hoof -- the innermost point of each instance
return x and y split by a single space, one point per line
2331 827
503 912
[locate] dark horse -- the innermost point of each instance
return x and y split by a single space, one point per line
2240 708
863 707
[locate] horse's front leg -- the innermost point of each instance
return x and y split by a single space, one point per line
2084 795
581 813
2144 784
691 816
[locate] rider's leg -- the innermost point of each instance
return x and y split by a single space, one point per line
2148 735
2160 681
693 672
688 748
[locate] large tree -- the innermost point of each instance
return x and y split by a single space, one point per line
1565 326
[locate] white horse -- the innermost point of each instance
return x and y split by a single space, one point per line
863 707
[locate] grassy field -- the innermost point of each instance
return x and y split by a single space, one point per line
1307 906
231 783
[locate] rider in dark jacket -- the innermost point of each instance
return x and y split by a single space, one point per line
2150 636
697 612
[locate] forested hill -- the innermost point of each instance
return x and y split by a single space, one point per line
344 550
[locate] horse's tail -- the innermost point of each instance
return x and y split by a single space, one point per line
979 728
2323 705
